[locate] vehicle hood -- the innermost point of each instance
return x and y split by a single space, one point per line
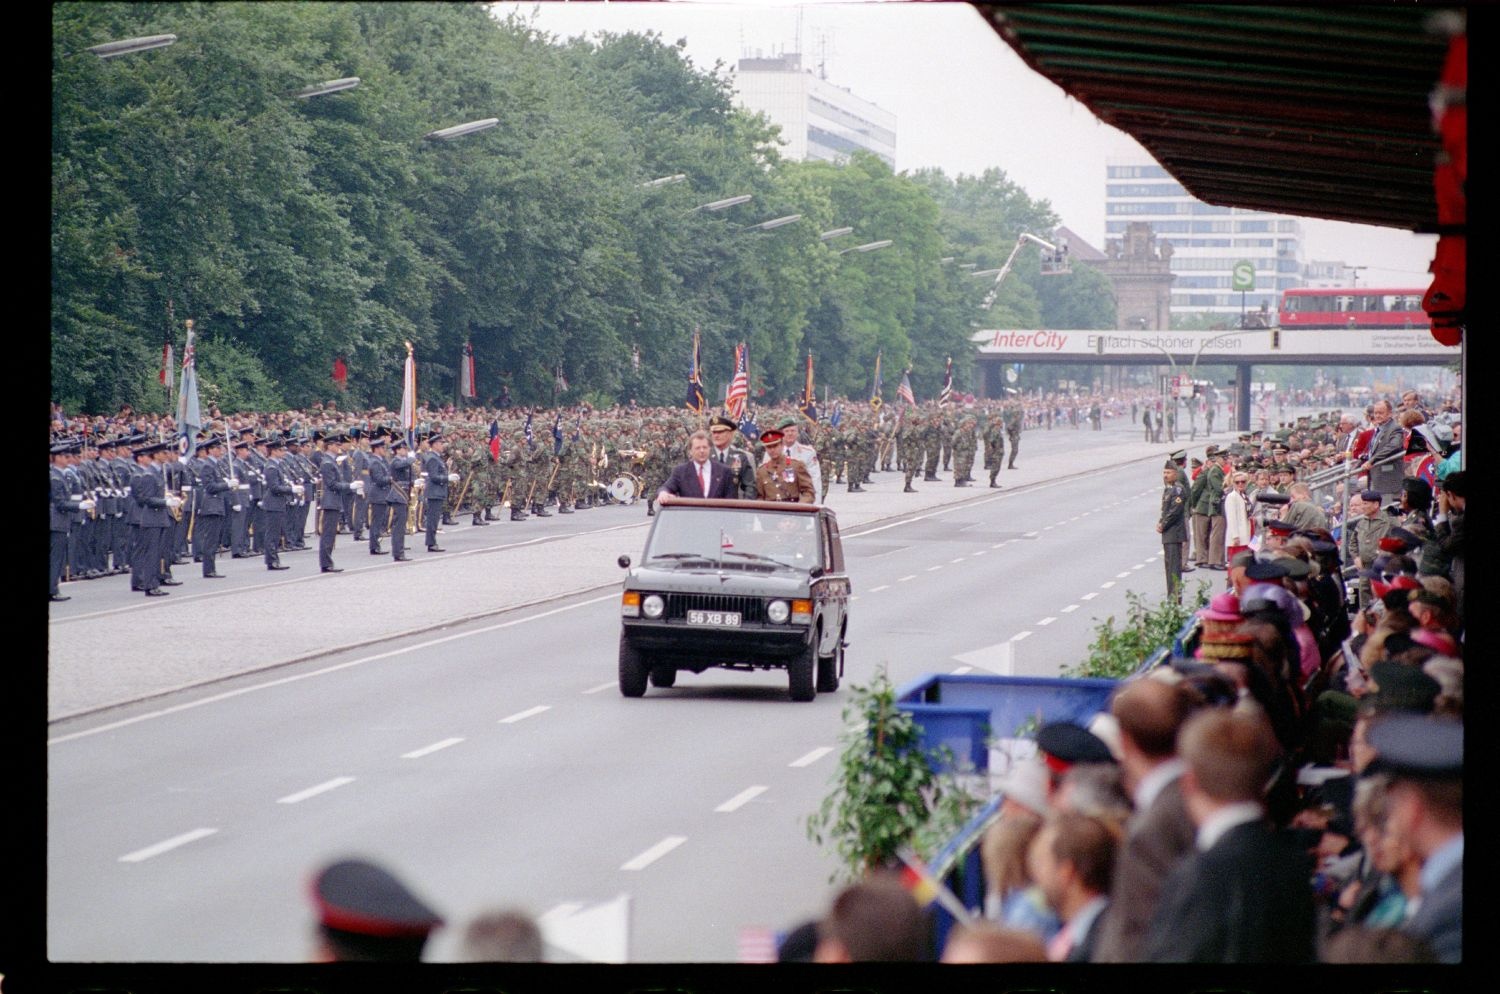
711 580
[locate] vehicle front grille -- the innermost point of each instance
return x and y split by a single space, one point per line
751 609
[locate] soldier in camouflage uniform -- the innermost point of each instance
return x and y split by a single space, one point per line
994 445
945 437
909 440
835 455
658 463
885 446
479 495
965 443
513 472
932 444
866 446
1013 416
539 483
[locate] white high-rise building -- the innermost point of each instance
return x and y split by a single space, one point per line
818 120
1206 242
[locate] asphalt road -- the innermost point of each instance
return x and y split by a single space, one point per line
493 762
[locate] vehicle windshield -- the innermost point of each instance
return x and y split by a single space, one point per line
736 536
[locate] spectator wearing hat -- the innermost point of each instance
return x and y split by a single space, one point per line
1159 833
365 914
1243 896
1171 525
1222 614
801 451
723 433
782 478
1424 758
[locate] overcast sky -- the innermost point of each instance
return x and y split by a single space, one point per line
963 100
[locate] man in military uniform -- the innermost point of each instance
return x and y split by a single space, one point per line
779 477
800 451
359 469
513 467
908 440
64 506
660 458
932 444
721 433
836 445
965 443
148 490
399 496
1013 416
213 492
1172 528
243 497
946 427
378 490
539 465
993 437
273 504
332 491
435 469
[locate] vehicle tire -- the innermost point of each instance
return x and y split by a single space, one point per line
799 673
828 669
633 669
663 676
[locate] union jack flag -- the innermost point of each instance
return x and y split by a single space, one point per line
904 390
739 387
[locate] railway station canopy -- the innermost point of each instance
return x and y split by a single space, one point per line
1314 111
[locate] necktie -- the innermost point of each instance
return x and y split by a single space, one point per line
1061 945
703 478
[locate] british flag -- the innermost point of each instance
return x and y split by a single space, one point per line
739 387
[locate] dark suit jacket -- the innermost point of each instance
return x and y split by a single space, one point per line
684 481
1389 441
1248 899
1156 840
1440 920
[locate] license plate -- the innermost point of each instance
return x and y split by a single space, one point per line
723 619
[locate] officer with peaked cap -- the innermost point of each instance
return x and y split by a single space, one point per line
365 914
1424 757
277 494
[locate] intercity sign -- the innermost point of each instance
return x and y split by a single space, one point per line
1024 344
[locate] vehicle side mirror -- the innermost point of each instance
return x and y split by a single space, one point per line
624 562
815 571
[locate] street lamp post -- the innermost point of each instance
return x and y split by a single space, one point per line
725 204
867 247
775 222
128 46
332 86
835 233
460 130
664 181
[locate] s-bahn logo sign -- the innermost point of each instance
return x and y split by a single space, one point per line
1243 277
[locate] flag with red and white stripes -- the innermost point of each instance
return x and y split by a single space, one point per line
739 387
904 390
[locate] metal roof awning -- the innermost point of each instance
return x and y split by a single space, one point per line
1302 110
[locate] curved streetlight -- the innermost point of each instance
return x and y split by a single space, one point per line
332 86
664 181
128 46
725 204
835 233
460 130
867 247
984 272
775 222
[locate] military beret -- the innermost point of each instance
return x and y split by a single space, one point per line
1063 743
787 422
357 896
720 421
1418 747
1395 543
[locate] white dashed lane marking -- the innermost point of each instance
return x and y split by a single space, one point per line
602 686
931 569
978 552
883 586
742 798
1120 576
903 579
655 853
167 845
1106 584
958 560
523 715
321 788
1046 621
1070 608
1089 596
425 750
811 757
1018 636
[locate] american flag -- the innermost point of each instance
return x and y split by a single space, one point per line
904 390
739 387
946 394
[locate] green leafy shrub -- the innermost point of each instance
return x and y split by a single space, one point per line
886 795
1116 653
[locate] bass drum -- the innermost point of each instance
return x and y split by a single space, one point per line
624 488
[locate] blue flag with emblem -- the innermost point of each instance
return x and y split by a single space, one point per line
749 429
838 414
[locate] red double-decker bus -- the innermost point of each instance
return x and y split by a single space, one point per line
1352 307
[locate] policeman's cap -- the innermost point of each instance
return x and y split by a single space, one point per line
377 440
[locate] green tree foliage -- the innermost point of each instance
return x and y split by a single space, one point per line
191 181
1119 652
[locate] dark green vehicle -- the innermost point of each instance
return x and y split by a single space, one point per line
736 584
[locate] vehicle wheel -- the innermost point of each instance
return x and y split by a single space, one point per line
828 669
632 669
799 673
663 676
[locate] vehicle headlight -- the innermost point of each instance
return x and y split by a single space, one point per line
630 604
652 606
778 611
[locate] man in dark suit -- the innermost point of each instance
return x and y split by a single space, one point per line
1072 859
701 476
1424 757
1245 895
1159 834
1384 463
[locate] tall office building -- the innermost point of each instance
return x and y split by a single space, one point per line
1205 241
818 120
